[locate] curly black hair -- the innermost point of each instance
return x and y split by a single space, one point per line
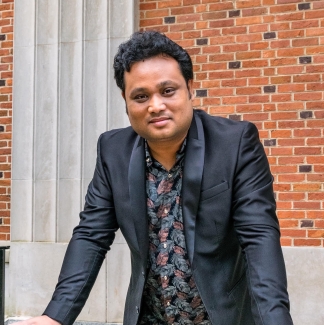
144 45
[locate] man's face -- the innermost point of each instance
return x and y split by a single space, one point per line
158 100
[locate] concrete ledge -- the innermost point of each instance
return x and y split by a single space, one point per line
305 271
12 320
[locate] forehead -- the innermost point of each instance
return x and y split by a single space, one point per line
153 70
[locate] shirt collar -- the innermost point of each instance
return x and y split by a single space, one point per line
149 160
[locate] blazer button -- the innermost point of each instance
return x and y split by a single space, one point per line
143 273
137 310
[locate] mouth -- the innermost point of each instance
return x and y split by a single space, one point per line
159 121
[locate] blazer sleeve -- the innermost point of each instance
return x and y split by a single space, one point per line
87 249
257 228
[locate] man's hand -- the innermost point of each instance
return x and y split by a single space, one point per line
40 320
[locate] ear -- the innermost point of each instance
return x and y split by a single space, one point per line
191 90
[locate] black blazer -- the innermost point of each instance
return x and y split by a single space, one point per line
230 224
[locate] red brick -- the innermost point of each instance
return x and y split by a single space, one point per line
188 18
201 8
248 4
284 169
157 13
210 32
319 223
169 3
254 12
190 2
221 92
234 30
291 52
151 22
181 27
315 141
284 8
292 33
221 110
249 91
211 49
305 42
282 98
291 214
221 57
283 61
290 17
319 58
236 48
221 23
307 151
182 10
234 100
304 24
248 21
315 68
315 214
307 242
148 5
286 241
255 63
312 14
286 70
314 32
293 232
284 116
211 101
306 205
221 75
202 25
248 38
214 15
279 26
284 223
309 96
248 55
248 108
307 78
222 40
255 117
307 133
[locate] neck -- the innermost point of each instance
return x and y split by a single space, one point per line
165 152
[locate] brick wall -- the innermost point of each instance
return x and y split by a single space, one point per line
262 61
6 58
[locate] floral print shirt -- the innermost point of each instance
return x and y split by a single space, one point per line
170 294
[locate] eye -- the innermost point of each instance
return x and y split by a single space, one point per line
168 91
140 98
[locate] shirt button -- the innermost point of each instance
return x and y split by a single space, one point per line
165 210
165 245
168 303
165 277
169 175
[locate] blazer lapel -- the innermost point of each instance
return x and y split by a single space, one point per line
137 193
191 184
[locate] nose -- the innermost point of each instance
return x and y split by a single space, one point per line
156 104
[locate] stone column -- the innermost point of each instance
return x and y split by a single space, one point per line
64 97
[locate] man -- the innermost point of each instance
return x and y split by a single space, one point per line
192 195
